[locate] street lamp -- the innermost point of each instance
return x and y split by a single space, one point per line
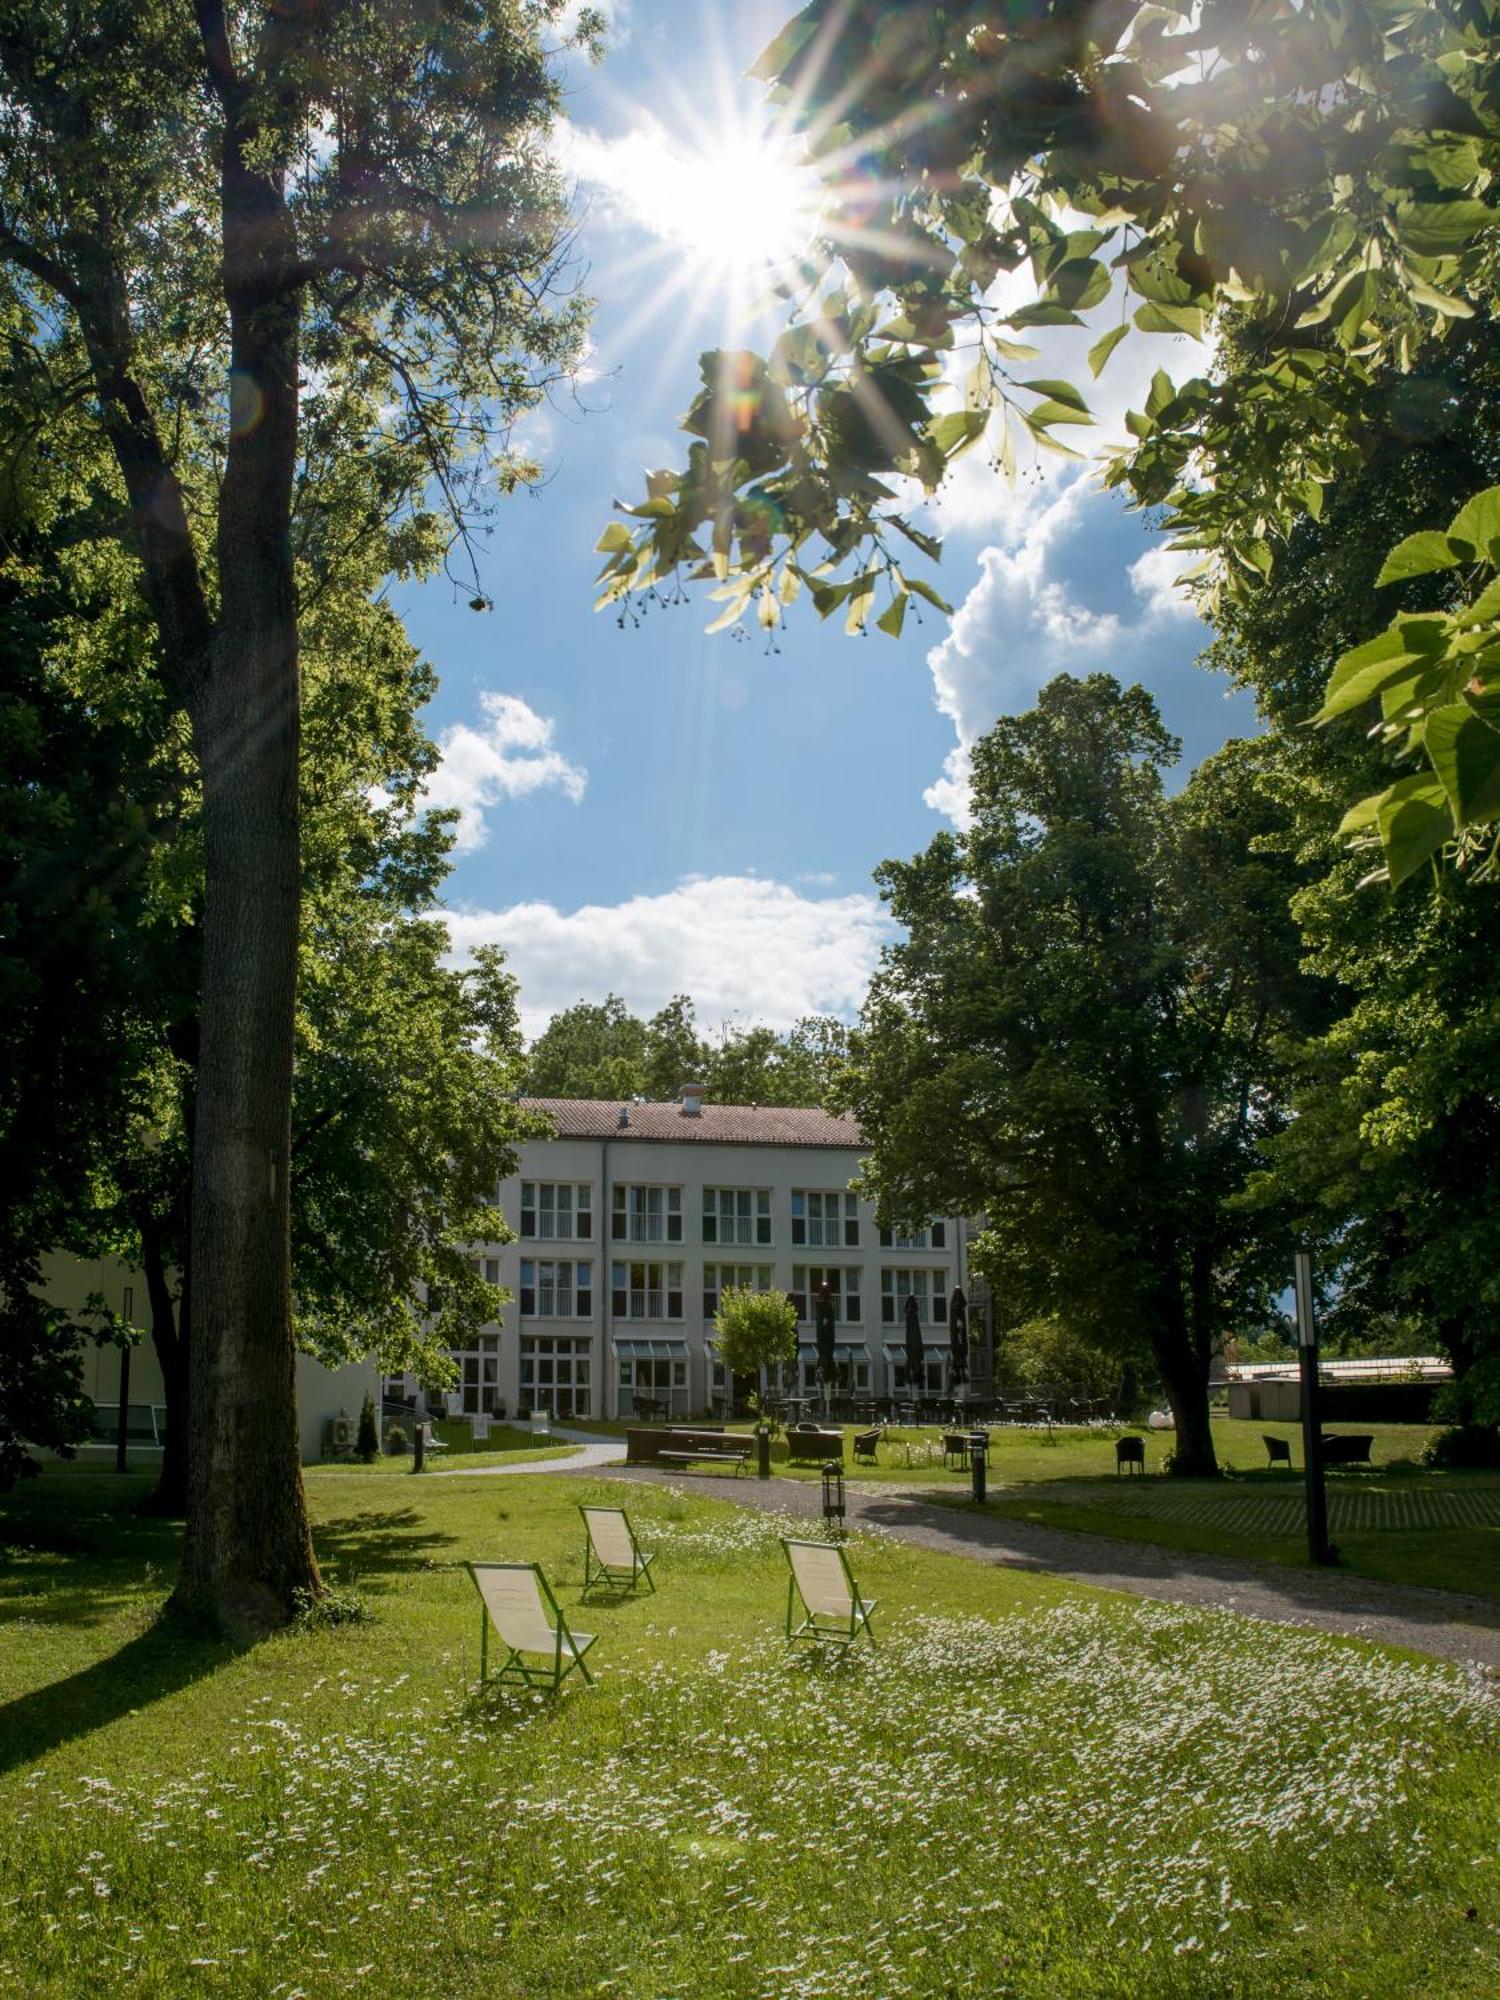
1319 1548
833 1495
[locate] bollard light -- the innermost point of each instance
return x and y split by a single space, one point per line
978 1454
833 1495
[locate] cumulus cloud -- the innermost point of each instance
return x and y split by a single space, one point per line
746 948
509 755
1154 579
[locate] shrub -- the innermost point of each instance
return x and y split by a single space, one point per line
1465 1448
367 1437
396 1441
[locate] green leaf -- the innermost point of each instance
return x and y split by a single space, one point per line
1163 391
773 59
1171 319
1477 523
1059 392
861 591
1417 556
1465 753
615 539
1443 228
1103 348
1485 609
894 616
1043 313
1364 670
921 589
1414 823
956 430
1053 412
928 544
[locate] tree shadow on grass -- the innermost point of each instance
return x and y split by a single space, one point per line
160 1661
366 1551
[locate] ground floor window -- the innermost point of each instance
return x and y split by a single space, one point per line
652 1379
479 1380
557 1375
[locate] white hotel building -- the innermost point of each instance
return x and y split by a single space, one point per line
630 1221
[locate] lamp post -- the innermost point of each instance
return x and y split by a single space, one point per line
833 1495
121 1464
1319 1548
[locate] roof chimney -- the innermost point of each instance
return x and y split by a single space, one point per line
624 1118
692 1100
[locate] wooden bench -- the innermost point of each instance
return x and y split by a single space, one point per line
726 1451
645 1443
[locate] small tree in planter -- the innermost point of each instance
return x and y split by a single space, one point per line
367 1437
756 1330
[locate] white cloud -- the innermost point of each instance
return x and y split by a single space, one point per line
509 756
746 948
1153 578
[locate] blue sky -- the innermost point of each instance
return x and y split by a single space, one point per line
654 810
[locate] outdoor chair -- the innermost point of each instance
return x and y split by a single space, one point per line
528 1619
611 1554
831 1602
956 1450
865 1452
1278 1451
1129 1451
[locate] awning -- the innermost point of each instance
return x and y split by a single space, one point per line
808 1349
651 1350
895 1350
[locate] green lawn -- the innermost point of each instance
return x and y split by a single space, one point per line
506 1445
1029 1789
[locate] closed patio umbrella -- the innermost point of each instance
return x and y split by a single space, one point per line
958 1337
916 1352
826 1332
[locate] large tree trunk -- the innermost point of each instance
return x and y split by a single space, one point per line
1183 1362
249 1550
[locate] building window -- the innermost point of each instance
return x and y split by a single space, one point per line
646 1291
824 1220
928 1288
556 1376
736 1215
479 1376
933 1237
556 1288
647 1215
556 1210
843 1289
719 1278
492 1270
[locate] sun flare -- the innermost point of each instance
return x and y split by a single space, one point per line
743 204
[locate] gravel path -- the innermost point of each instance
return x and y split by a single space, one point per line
1440 1622
593 1453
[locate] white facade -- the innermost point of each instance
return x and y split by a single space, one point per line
624 1233
324 1395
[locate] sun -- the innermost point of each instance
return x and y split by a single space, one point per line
743 205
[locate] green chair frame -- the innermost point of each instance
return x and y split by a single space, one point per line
841 1627
601 1574
566 1648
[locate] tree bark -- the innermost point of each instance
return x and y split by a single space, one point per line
1184 1373
248 1551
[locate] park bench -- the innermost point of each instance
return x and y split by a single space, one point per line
810 1446
708 1447
1349 1449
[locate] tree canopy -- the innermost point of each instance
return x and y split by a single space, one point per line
1325 168
603 1050
1077 1038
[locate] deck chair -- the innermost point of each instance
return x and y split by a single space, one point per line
528 1619
611 1554
831 1602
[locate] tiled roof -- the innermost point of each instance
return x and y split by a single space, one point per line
715 1124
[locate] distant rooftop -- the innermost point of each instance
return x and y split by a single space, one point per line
711 1124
